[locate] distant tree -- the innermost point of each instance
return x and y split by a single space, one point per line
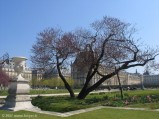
4 80
151 68
110 43
34 83
147 70
4 59
51 83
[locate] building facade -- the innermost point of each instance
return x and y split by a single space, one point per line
151 80
79 76
27 74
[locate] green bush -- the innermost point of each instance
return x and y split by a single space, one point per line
59 104
93 100
52 83
136 99
65 103
105 97
3 92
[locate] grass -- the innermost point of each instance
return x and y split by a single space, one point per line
143 92
97 114
65 103
41 91
117 114
146 105
134 92
48 91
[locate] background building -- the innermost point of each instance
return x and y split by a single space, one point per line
151 80
79 75
28 74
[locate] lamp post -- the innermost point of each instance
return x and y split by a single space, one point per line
142 82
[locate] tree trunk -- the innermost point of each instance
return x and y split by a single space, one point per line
120 86
67 86
83 94
86 90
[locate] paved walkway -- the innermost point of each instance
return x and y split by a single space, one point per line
66 114
62 94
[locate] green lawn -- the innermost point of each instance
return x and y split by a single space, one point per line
142 92
146 105
97 114
50 91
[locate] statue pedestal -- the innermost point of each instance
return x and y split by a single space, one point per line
18 98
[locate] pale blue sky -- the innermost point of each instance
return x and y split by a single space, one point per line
21 20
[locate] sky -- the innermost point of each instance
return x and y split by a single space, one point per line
22 20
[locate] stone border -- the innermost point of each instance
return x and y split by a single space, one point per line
66 114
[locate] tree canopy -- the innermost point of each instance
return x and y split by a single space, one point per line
109 43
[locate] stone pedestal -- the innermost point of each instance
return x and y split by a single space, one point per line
18 98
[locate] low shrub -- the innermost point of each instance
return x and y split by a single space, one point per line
61 104
136 99
65 103
92 100
3 92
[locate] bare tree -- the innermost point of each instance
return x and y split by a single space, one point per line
151 68
112 45
54 49
4 79
109 44
4 59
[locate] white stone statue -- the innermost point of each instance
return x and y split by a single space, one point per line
18 98
19 66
